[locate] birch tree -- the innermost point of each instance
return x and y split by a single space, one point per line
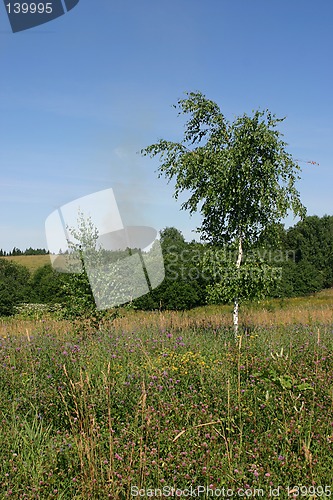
241 179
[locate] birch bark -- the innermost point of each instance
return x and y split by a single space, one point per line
236 300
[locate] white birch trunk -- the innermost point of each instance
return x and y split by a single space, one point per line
236 303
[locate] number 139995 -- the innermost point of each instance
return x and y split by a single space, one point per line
29 8
306 491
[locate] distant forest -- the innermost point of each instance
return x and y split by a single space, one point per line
303 253
27 251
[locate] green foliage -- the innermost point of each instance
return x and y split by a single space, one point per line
305 254
79 299
304 277
47 285
85 256
171 239
239 174
282 263
312 243
253 280
38 311
241 179
14 283
183 286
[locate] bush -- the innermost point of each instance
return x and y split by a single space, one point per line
14 286
47 285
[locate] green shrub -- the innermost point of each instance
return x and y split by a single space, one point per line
14 286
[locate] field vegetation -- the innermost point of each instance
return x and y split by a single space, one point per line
168 400
32 262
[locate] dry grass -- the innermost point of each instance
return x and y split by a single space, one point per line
301 310
177 320
14 327
32 262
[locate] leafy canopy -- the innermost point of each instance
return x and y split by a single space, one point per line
239 174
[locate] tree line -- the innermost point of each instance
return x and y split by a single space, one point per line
301 254
28 251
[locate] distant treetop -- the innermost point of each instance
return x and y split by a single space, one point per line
28 251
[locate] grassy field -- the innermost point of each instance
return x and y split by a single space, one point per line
32 262
310 310
156 401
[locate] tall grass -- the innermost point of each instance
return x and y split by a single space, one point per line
32 262
165 400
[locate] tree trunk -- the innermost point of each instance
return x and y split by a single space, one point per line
236 303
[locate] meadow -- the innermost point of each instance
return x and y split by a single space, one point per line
32 262
164 403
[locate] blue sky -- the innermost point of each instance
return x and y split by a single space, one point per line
81 95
